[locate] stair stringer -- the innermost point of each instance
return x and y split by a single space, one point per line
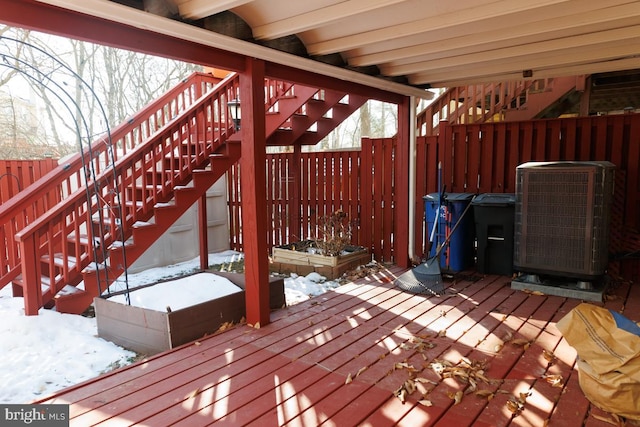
287 106
97 279
316 109
537 101
186 144
470 104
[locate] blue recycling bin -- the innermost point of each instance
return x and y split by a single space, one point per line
459 254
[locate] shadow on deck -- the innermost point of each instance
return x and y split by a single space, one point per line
294 371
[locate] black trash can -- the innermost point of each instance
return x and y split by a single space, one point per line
494 215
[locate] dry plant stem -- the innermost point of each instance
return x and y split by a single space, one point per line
334 233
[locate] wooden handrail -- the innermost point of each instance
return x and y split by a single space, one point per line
140 181
471 104
23 209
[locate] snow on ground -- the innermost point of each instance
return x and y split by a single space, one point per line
44 353
180 293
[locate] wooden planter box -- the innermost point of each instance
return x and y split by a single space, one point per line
149 331
285 259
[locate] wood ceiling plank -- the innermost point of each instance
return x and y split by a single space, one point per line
502 8
197 9
557 60
581 43
597 67
315 18
538 29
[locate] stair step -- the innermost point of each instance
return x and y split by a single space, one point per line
59 260
68 290
45 286
74 302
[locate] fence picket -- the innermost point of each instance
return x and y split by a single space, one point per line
361 181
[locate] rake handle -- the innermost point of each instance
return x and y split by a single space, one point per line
455 226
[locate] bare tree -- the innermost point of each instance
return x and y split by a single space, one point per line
83 89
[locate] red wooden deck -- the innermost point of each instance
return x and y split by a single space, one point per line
294 371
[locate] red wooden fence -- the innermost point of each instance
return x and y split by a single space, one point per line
16 175
304 187
483 158
477 158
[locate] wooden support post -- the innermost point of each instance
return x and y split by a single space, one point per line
253 190
204 232
401 211
366 197
585 99
31 288
295 230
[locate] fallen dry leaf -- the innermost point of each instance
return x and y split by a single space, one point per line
549 356
194 393
410 386
225 326
349 379
554 380
361 370
513 406
488 394
405 365
523 396
456 397
425 402
402 395
425 381
607 420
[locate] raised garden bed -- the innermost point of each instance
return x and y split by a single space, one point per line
303 258
150 331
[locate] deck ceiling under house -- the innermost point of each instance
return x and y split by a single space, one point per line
403 46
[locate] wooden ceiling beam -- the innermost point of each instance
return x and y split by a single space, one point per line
593 68
318 17
564 46
496 74
197 9
535 28
109 23
66 23
309 78
501 8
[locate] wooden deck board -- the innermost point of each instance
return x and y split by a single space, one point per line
294 371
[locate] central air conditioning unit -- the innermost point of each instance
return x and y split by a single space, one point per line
561 228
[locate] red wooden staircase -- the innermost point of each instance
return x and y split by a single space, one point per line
505 101
470 104
121 195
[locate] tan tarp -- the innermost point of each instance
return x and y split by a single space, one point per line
609 359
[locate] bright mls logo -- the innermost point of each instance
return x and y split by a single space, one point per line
34 415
